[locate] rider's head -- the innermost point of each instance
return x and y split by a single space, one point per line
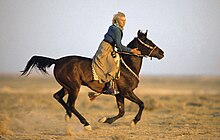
119 19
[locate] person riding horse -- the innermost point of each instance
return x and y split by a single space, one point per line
106 61
72 72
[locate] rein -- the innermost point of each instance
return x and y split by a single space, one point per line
140 55
131 54
149 55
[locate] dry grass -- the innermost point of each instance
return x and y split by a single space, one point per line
175 108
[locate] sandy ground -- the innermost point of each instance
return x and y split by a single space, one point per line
176 108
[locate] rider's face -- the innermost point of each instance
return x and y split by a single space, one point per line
121 21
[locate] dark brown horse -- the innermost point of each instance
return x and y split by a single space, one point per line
73 71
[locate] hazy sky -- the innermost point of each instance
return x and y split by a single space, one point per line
187 30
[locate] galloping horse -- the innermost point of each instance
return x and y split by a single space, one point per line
73 71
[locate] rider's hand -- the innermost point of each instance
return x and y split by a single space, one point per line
136 51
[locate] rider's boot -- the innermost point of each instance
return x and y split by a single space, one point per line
109 88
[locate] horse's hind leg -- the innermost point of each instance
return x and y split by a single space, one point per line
59 97
71 103
120 103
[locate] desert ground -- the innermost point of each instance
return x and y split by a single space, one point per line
183 107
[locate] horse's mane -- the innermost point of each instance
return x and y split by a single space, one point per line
131 44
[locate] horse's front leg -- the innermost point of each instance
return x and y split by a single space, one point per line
120 103
132 97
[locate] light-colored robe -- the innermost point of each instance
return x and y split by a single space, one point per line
105 67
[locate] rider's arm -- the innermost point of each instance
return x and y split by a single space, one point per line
117 39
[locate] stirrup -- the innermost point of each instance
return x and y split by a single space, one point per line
109 88
116 92
113 92
109 91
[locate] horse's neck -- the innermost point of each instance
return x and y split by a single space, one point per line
134 63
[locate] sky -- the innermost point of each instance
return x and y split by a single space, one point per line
188 31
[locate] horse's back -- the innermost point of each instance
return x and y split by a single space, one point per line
69 66
73 58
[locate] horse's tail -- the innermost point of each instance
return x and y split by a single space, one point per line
40 62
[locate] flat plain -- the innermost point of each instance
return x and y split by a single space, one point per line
182 107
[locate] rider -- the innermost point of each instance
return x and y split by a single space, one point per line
105 59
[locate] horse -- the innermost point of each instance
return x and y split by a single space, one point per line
73 71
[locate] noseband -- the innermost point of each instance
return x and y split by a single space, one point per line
148 46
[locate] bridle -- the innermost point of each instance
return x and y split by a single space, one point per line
141 55
148 46
149 55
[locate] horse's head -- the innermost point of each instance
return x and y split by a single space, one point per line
147 47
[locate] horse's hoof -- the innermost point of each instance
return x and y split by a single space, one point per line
67 118
132 124
102 120
88 127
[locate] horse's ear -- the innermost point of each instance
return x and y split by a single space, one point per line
146 33
139 32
